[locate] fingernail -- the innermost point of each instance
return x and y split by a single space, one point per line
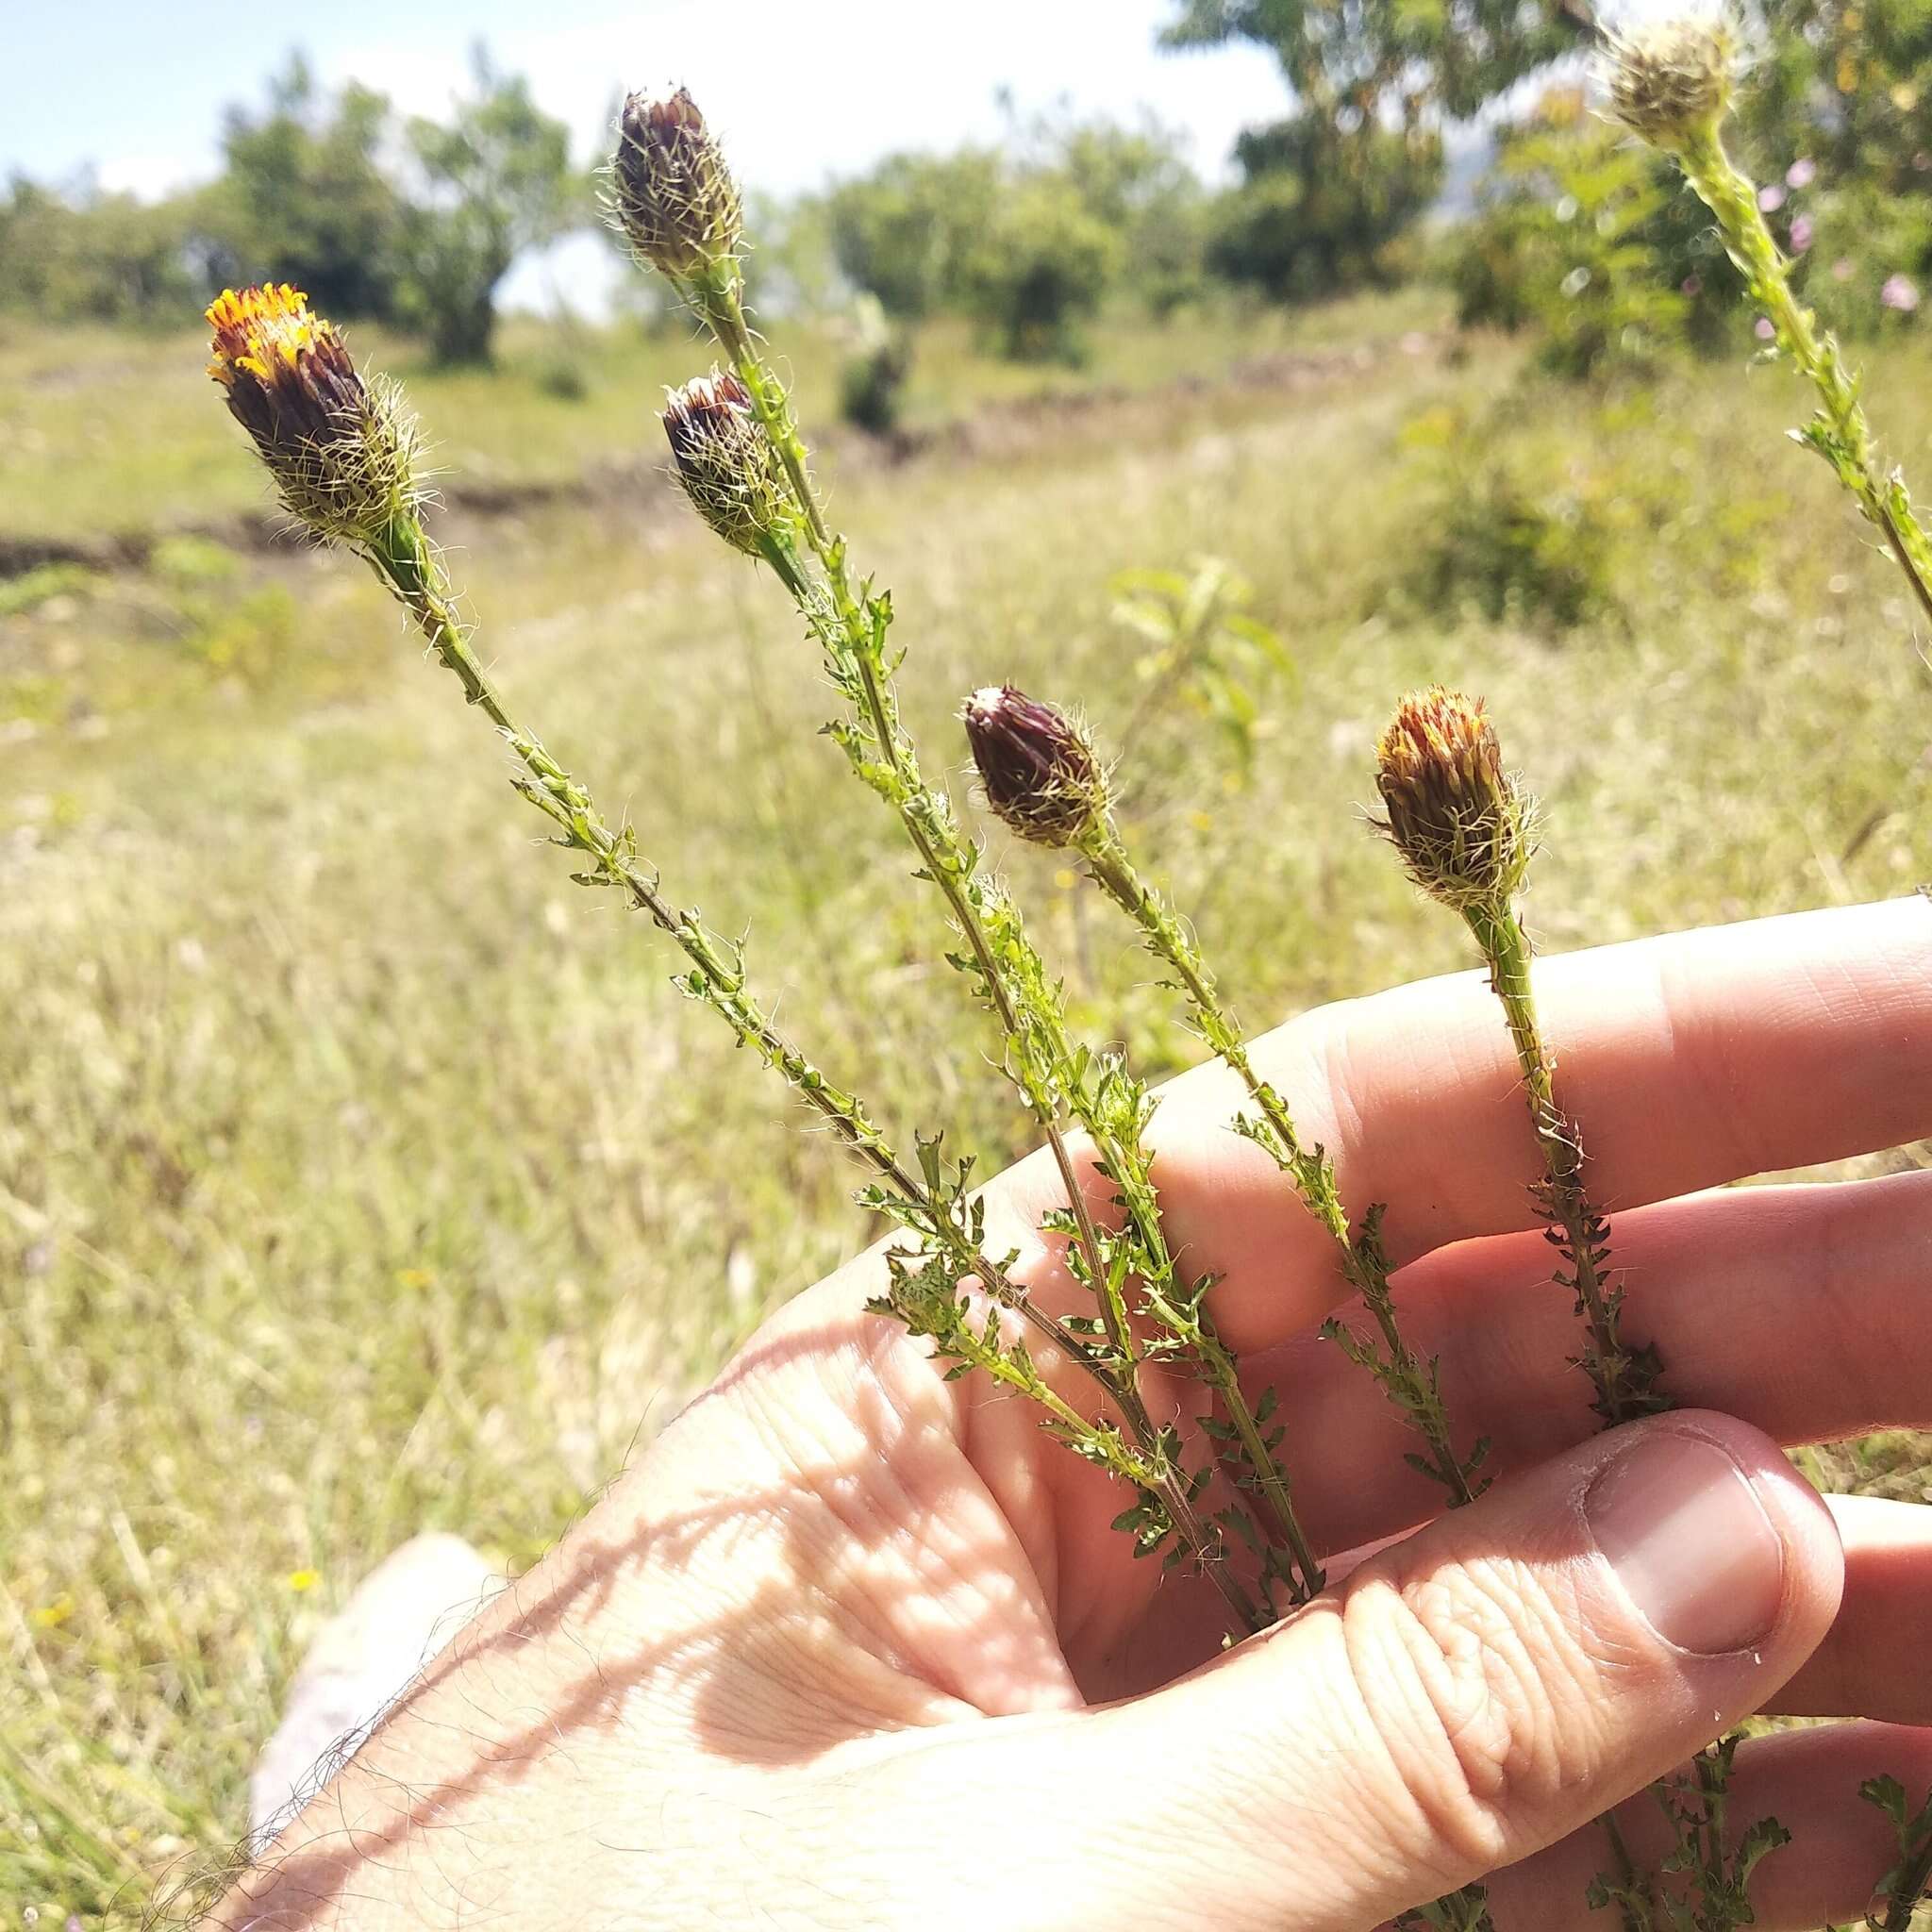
1681 1525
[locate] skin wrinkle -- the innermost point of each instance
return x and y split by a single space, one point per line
1016 1488
1709 1050
919 1581
1422 1159
1479 1654
1404 1723
1848 1333
1509 1375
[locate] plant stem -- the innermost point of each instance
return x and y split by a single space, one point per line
408 563
939 857
1626 1379
1907 1889
1363 1264
720 299
1012 977
1840 432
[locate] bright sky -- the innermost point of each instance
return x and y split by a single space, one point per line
136 87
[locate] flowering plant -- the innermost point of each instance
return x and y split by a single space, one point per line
1142 1383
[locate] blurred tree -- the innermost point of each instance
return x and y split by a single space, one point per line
103 257
901 232
1572 238
1043 265
1846 84
1316 210
1028 237
1138 181
496 181
306 196
1353 62
1373 82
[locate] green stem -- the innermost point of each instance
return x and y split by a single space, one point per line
1635 1886
1012 974
407 562
1312 1173
1625 1381
926 821
1840 432
944 865
1907 1888
719 298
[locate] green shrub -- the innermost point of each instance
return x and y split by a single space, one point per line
1861 254
212 619
1525 516
1040 269
1317 210
41 585
1574 241
901 232
1516 553
872 378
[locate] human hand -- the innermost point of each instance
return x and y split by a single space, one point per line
856 1647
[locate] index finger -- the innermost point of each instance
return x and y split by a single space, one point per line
1690 1060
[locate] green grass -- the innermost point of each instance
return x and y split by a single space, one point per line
104 433
359 1173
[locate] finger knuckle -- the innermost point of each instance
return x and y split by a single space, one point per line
1484 1697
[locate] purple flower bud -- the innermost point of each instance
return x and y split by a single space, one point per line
1692 285
1769 199
1040 777
724 461
673 193
1899 293
1764 329
1802 173
1842 269
1801 234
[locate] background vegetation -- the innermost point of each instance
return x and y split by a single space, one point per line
358 1176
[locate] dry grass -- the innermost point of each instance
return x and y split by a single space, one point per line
357 1174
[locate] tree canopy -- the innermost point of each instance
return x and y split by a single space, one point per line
1353 62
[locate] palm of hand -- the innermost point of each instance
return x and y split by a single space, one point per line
854 1646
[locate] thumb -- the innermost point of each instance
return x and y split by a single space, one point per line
1465 1698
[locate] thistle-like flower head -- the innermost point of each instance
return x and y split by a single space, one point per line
1459 820
1040 777
672 192
341 453
725 463
1671 81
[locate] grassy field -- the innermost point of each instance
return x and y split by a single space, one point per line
359 1173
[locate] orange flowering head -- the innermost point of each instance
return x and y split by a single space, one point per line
1459 820
340 453
1039 771
724 462
670 192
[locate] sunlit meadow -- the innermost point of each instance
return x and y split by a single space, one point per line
358 1174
